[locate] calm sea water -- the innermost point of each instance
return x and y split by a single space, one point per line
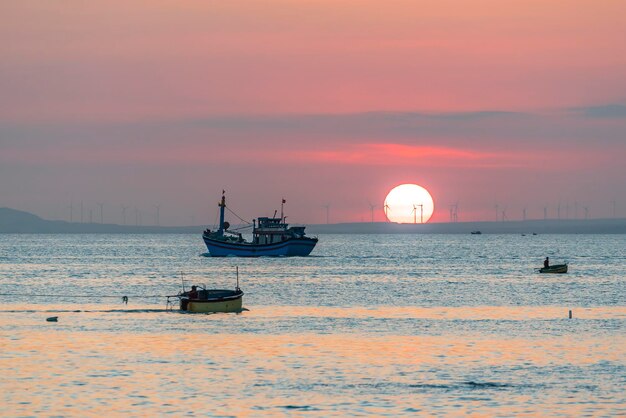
382 325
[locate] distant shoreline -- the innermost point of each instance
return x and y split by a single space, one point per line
528 227
19 222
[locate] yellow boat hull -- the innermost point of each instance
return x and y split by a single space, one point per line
205 306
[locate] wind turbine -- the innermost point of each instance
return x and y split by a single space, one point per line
81 211
136 216
504 218
371 210
158 209
71 208
387 209
124 213
497 211
327 206
545 213
415 213
586 208
101 216
454 212
524 214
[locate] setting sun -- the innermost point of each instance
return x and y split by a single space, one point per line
409 203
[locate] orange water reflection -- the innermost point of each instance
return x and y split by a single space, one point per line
73 368
516 313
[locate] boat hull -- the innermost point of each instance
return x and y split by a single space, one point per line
559 269
293 247
232 302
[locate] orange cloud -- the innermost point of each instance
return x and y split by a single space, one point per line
401 154
374 154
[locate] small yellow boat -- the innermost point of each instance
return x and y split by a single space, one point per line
213 300
202 300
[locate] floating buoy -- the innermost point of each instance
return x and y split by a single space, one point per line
53 319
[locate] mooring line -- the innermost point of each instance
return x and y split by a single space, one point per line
86 296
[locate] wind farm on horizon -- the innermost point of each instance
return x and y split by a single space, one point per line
404 204
401 213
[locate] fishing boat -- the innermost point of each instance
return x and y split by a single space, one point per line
271 236
476 233
213 300
199 299
557 268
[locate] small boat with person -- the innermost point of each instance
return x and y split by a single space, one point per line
199 299
557 268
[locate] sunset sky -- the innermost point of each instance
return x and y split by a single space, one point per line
142 103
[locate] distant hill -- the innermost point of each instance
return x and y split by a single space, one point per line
12 220
15 221
19 222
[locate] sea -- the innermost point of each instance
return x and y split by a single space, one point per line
367 325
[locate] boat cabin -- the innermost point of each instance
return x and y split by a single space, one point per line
272 230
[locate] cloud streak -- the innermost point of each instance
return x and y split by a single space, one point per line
467 139
389 154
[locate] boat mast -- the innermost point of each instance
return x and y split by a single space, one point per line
282 217
222 205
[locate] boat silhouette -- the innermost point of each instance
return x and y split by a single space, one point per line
271 236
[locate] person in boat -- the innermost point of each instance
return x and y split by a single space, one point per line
193 293
546 263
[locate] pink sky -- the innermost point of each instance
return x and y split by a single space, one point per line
520 104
